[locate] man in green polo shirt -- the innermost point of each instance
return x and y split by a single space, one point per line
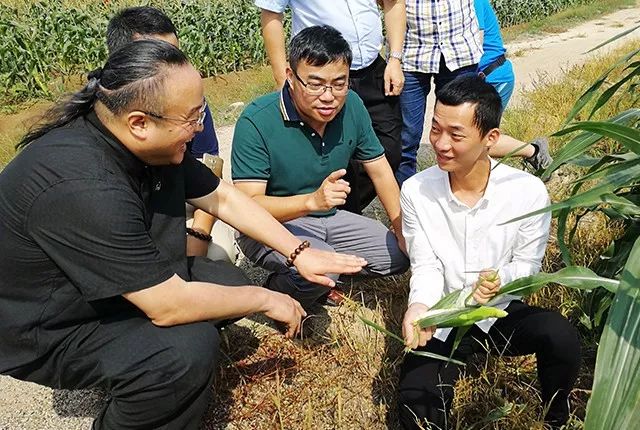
290 151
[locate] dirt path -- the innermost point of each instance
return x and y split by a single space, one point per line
549 56
25 406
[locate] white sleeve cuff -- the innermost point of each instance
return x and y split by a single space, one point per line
426 289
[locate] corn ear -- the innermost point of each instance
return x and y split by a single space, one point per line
460 317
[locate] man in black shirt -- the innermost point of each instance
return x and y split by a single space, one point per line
89 293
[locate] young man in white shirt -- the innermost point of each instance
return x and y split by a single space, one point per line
453 223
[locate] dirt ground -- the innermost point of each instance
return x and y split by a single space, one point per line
26 406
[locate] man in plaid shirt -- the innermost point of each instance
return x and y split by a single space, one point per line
443 41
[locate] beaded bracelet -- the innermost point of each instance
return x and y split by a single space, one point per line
296 252
198 235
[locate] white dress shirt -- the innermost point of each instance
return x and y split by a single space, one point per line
358 21
447 240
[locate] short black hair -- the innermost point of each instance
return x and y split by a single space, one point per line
319 45
142 20
473 89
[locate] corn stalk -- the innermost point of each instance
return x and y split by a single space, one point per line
613 188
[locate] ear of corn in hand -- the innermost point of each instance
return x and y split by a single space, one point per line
458 317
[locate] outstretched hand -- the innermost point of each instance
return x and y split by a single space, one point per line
314 264
332 192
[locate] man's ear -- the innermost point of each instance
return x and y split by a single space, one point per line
138 123
289 73
492 138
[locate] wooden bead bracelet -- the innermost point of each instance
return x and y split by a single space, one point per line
296 252
198 235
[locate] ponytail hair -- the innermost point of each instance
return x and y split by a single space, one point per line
132 75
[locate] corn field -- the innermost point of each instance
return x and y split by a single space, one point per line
43 43
512 12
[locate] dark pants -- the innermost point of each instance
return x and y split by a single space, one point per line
386 119
156 377
426 385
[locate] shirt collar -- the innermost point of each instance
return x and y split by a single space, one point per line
488 192
133 165
287 107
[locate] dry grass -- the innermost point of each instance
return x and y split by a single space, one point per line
339 376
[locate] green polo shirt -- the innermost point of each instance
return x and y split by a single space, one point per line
272 144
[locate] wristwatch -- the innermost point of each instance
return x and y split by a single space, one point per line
396 54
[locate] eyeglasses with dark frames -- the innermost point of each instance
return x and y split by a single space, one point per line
319 89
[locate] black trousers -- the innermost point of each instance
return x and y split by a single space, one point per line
386 119
156 377
426 385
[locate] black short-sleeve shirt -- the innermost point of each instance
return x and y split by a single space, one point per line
82 221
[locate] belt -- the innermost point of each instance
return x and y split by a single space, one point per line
492 66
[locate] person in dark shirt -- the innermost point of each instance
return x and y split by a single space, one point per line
89 296
145 22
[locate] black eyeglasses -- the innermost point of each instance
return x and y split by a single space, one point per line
319 89
198 122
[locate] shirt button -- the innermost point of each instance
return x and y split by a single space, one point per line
301 123
313 134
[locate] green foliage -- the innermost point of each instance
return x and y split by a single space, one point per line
610 184
511 12
615 402
43 43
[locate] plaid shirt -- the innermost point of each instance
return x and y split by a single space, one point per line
435 27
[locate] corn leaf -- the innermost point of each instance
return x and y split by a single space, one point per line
591 91
592 196
627 136
616 37
607 166
381 329
615 401
583 141
455 299
460 332
436 356
411 351
572 277
609 92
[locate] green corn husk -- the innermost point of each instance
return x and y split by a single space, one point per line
459 317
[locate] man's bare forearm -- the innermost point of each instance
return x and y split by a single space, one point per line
243 213
274 43
285 208
387 189
176 301
395 22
